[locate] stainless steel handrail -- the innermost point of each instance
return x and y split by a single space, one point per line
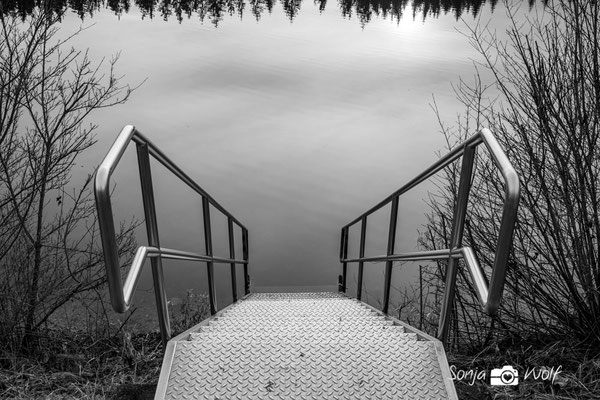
489 294
120 294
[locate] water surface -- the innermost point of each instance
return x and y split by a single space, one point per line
296 118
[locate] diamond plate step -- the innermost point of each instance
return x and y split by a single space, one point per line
306 371
306 336
297 296
267 323
303 346
295 339
303 330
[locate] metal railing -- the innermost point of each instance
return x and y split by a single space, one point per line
489 294
121 295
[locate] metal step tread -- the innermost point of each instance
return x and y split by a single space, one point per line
297 296
302 330
307 322
323 314
298 307
282 337
306 370
301 335
309 314
250 353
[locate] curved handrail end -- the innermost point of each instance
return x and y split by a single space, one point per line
105 216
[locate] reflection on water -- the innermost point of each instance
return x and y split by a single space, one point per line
215 10
294 127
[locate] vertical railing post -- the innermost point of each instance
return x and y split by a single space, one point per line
344 256
232 256
209 252
458 224
363 234
153 240
390 251
245 256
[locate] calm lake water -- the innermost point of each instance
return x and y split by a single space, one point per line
296 119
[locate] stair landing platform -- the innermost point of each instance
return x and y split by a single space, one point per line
304 346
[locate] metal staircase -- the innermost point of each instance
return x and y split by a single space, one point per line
304 345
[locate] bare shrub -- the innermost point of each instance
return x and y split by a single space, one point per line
545 111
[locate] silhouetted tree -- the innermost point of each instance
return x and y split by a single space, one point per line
48 247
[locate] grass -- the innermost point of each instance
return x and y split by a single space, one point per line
125 366
72 364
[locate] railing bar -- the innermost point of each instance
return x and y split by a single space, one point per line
232 256
344 255
479 279
509 216
342 235
144 252
177 171
418 255
363 234
121 295
398 258
390 250
153 240
208 249
458 223
245 250
235 221
134 273
498 156
488 293
181 255
432 170
187 180
116 151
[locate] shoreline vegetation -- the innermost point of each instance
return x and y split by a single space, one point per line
545 107
108 362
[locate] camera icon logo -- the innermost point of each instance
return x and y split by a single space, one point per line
505 376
